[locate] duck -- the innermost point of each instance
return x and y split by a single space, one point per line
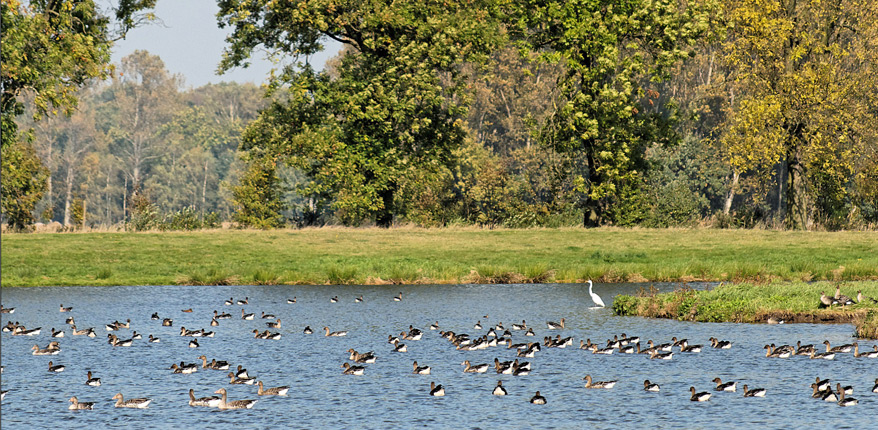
153 339
868 354
56 368
771 353
845 401
599 384
728 386
699 397
59 333
437 390
275 324
246 316
420 370
240 380
720 344
76 405
92 381
352 370
756 392
184 368
291 301
843 299
537 399
399 347
334 333
274 391
67 309
139 403
307 330
499 390
236 404
211 401
841 348
821 355
826 301
398 297
246 301
478 368
188 311
649 386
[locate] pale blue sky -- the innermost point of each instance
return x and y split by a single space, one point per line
191 44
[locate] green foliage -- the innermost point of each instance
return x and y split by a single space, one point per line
257 197
23 180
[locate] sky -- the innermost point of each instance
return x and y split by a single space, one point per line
191 44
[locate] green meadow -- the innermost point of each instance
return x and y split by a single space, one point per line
448 255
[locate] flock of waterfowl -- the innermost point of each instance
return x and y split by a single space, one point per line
496 336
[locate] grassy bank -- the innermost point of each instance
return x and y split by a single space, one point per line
779 301
409 255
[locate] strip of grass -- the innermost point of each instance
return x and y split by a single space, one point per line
454 255
778 301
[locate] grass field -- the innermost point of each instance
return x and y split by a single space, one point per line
779 301
455 255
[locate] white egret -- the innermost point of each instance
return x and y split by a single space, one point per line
594 297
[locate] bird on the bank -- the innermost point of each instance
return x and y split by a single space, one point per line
594 297
843 299
861 298
826 301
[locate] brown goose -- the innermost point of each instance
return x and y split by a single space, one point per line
211 401
600 384
139 403
843 299
76 405
236 404
274 391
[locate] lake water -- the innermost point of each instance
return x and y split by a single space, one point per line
389 395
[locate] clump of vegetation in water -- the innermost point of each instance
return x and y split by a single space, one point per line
867 326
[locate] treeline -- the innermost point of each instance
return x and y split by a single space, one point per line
654 113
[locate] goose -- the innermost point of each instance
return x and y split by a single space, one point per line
720 344
155 316
67 309
366 357
291 301
352 370
803 349
398 297
185 332
822 384
184 368
334 300
630 339
648 386
83 332
594 297
7 310
821 355
69 321
139 403
273 324
211 401
679 342
153 339
307 330
655 355
771 353
92 381
214 322
59 333
826 301
849 401
334 333
221 316
420 370
843 299
847 390
136 336
218 365
358 299
229 302
631 349
478 325
868 354
699 397
665 347
499 390
690 348
756 392
522 326
504 367
224 402
239 380
266 316
840 348
604 351
434 326
728 386
537 399
274 391
194 343
76 405
491 333
520 370
241 372
22 331
875 387
246 316
3 393
825 395
529 332
599 384
167 322
861 298
399 347
246 301
555 326
478 368
46 351
56 368
437 390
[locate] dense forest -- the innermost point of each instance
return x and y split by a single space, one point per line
656 113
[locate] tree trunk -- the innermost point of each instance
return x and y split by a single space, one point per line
591 216
798 205
68 195
204 191
727 206
781 193
84 211
384 218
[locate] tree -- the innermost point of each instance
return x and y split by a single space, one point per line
50 49
610 51
807 72
396 106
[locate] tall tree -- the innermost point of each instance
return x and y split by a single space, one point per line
396 106
808 75
610 51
